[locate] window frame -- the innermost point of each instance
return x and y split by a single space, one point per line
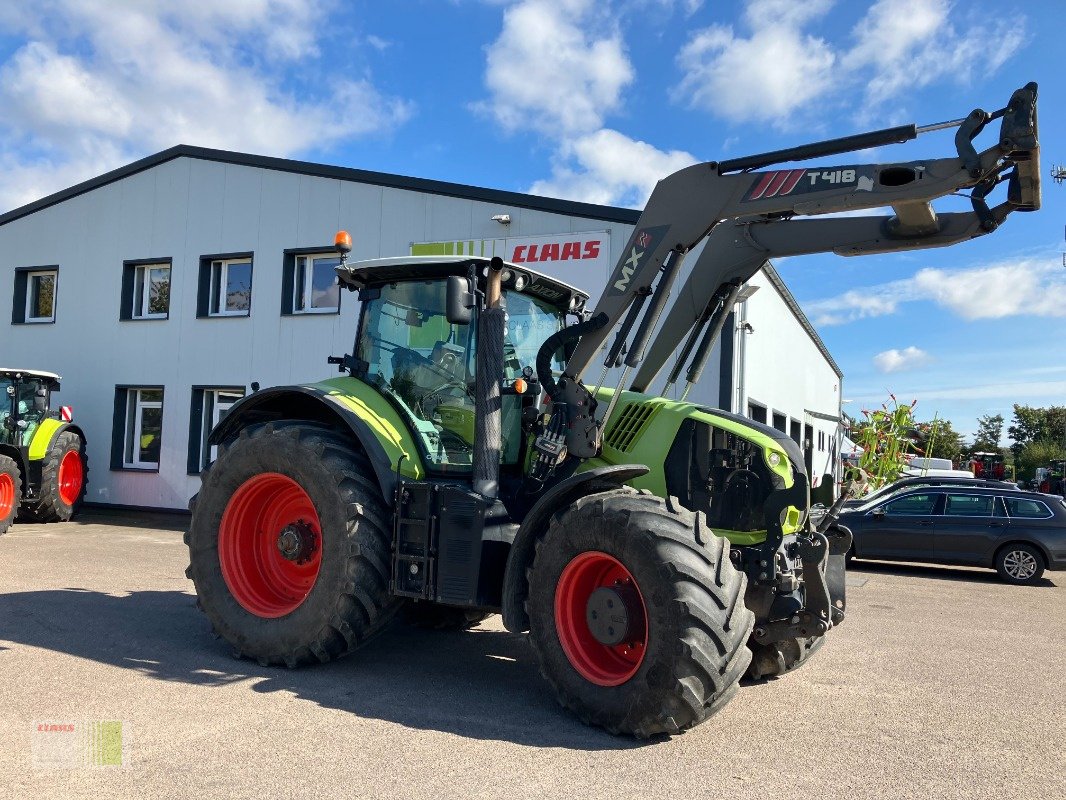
143 267
127 395
23 296
308 283
289 275
207 305
1041 503
198 422
937 505
947 502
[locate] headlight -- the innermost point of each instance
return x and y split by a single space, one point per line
774 459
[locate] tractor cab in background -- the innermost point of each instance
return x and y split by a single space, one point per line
43 465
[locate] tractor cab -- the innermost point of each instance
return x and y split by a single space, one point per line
417 344
24 403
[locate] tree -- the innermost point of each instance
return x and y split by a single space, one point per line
1035 424
989 432
937 439
1038 454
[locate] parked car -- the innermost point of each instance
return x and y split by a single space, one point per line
922 481
1017 533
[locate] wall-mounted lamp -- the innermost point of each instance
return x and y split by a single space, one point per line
503 219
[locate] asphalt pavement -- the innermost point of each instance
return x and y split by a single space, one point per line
942 683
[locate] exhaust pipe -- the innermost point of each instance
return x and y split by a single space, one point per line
488 430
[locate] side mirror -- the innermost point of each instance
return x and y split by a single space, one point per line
878 513
460 307
40 402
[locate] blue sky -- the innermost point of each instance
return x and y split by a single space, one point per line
592 101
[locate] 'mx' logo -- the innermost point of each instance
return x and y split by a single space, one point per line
642 242
629 267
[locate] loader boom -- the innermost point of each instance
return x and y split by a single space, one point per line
685 206
735 251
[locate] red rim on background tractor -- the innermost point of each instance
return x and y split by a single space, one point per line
597 662
7 495
270 545
71 477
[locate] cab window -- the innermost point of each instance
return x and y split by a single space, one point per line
426 364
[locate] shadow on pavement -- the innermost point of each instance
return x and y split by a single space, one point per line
131 518
944 573
480 684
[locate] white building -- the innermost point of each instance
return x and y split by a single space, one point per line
162 290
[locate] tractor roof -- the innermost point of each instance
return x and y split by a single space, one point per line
33 373
377 271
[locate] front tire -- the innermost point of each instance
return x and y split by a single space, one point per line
777 658
1020 564
289 545
64 476
10 492
637 615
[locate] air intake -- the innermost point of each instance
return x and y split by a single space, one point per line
630 423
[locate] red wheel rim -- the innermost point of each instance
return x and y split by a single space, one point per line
7 495
264 516
601 664
71 477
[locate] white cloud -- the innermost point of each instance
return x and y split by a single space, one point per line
558 66
896 360
763 78
910 44
1033 286
780 69
99 83
608 167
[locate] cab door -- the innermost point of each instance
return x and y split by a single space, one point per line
901 529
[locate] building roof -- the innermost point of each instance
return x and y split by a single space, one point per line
570 208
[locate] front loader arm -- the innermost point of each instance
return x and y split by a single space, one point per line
685 207
736 251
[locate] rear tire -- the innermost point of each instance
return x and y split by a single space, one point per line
1020 564
432 616
64 476
10 492
777 658
683 649
330 594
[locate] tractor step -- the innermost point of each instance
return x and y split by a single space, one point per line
436 549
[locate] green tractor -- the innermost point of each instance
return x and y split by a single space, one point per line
655 550
43 466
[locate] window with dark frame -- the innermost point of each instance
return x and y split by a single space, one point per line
138 431
757 412
210 404
225 286
309 282
316 289
146 289
35 295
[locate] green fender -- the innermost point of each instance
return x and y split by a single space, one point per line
46 434
347 404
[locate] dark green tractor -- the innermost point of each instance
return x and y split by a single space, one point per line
655 550
43 466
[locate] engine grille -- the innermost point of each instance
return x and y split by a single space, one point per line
631 422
